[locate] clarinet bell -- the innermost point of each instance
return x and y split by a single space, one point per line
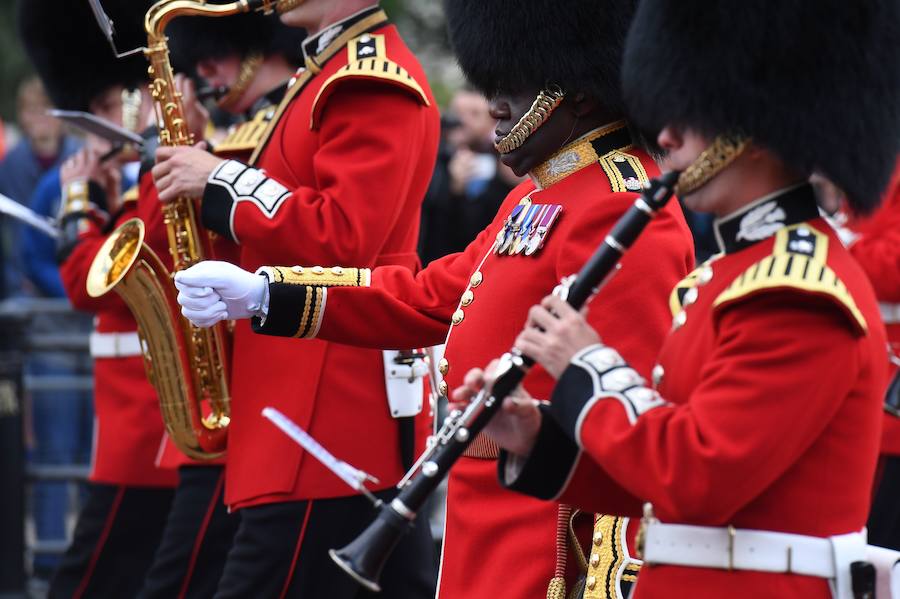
364 557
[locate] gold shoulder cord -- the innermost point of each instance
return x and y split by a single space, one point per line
546 102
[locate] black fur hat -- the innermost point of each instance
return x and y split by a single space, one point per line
71 54
818 83
519 46
192 39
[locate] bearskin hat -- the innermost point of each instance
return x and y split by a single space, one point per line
817 83
192 39
72 56
517 46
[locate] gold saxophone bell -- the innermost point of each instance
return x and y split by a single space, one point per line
128 265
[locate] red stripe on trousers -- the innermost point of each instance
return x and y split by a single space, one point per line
290 575
198 542
95 557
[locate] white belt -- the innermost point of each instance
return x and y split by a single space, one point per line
115 345
890 313
758 550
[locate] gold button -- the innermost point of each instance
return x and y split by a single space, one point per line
318 270
444 366
591 582
443 388
595 559
468 297
458 317
476 279
297 269
598 538
337 271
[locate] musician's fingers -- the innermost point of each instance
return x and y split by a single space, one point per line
556 305
490 373
192 289
519 404
474 380
164 153
540 317
198 303
530 342
207 316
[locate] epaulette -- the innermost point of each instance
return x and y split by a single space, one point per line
367 60
798 261
247 135
131 195
625 171
676 298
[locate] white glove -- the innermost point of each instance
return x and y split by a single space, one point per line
213 291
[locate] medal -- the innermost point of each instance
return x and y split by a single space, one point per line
548 218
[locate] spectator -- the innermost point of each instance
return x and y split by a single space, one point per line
469 182
43 145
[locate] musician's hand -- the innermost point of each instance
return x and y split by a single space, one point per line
213 291
84 165
554 333
516 425
195 113
183 171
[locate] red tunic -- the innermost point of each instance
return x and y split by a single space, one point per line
767 413
877 249
340 180
497 544
129 431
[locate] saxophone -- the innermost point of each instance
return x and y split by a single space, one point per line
188 366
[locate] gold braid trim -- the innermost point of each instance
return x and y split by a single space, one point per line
787 270
316 280
712 161
546 102
318 276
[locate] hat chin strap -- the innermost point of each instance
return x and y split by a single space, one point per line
544 105
713 160
249 67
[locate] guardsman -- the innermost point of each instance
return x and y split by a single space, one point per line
338 177
755 441
250 58
874 241
561 121
120 524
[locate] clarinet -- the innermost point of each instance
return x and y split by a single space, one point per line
364 558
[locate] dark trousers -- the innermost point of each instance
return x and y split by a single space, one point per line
198 535
281 550
115 539
884 518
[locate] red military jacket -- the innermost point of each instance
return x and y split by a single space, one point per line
876 246
128 429
764 412
338 178
497 544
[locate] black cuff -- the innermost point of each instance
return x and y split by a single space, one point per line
545 473
216 207
573 390
288 310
